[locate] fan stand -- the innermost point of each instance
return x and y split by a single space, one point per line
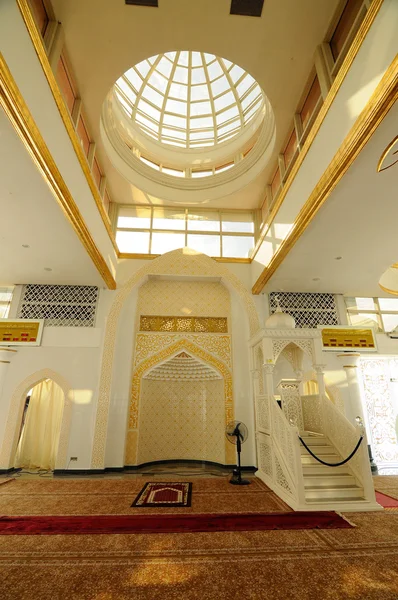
237 474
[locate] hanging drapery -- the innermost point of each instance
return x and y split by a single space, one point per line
38 444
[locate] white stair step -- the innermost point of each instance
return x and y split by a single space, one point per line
318 450
310 460
329 481
336 500
316 468
315 441
344 493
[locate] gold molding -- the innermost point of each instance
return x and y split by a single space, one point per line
343 71
393 292
384 156
17 111
5 362
382 99
182 324
39 47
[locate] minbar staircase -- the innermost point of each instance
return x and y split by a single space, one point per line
324 484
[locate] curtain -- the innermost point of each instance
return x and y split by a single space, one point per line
38 444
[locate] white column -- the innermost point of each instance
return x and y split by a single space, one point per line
6 355
320 372
350 361
268 369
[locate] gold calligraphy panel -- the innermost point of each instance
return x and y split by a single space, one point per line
184 324
340 338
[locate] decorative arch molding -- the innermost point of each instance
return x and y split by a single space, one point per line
278 347
178 262
158 358
15 412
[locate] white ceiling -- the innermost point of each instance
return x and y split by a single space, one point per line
358 222
105 38
31 216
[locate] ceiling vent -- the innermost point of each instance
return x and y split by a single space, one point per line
247 8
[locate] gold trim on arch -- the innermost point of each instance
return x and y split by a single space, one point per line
345 67
151 361
383 98
17 111
38 45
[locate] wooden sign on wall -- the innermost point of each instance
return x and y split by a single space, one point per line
348 338
21 332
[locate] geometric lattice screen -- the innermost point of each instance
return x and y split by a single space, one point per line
308 310
59 305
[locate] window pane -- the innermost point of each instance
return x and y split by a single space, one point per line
134 218
5 301
360 304
165 242
388 303
65 84
344 25
290 149
203 221
310 102
133 241
96 173
237 223
365 320
276 182
168 219
83 135
237 246
208 244
390 322
40 15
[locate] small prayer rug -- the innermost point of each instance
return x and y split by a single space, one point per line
164 494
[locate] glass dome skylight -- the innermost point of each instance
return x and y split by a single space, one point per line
189 99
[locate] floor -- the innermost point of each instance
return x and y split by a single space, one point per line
356 564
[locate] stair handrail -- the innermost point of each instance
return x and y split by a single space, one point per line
343 435
291 463
338 464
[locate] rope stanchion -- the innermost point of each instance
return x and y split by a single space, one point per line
338 464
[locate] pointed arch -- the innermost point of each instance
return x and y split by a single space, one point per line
178 262
158 358
15 412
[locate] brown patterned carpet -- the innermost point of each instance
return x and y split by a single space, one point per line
354 564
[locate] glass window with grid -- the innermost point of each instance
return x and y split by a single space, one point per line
381 313
156 230
5 301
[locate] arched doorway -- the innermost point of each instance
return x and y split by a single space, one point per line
40 430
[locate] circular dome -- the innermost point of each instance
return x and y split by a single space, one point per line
280 320
189 99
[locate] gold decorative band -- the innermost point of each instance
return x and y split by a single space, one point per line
5 362
370 118
7 349
345 67
184 324
52 82
18 113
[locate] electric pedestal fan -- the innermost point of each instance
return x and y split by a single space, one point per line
237 433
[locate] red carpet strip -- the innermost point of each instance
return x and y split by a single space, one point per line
109 524
386 501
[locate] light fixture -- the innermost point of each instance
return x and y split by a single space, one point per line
338 258
25 246
316 279
47 269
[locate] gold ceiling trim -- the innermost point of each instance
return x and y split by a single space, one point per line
38 45
393 292
382 99
343 71
386 153
184 324
17 111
